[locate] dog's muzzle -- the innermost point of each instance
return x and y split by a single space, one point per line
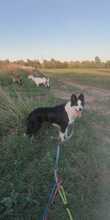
78 113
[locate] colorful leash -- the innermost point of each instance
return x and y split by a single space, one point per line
61 188
57 188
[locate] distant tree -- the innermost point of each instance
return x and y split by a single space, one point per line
97 59
53 63
46 64
77 64
36 64
65 64
107 64
7 61
20 62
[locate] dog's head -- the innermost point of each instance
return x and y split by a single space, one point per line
77 104
30 77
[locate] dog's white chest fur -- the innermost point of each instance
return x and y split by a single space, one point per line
70 112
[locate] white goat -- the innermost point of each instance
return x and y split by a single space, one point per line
39 80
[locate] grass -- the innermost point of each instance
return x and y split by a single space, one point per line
26 171
92 77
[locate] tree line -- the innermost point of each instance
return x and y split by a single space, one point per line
53 63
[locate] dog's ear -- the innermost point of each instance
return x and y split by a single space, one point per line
81 97
73 99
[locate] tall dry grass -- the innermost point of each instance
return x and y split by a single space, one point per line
12 68
13 111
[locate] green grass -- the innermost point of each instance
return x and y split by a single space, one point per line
92 77
26 167
27 172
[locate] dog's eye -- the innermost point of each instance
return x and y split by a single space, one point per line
80 109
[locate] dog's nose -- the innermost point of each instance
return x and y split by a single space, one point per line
80 109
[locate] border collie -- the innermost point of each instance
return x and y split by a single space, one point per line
61 116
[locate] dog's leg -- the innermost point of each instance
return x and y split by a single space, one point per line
62 133
67 135
62 136
32 128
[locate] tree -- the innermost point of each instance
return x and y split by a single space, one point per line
97 60
107 64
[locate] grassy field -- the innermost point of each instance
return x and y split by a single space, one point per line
26 171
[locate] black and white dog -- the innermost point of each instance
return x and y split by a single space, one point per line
61 116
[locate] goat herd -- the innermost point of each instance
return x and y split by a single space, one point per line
39 81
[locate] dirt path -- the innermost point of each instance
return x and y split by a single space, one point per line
97 100
93 95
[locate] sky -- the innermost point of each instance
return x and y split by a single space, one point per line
60 29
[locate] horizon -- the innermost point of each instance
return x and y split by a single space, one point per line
60 60
64 30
